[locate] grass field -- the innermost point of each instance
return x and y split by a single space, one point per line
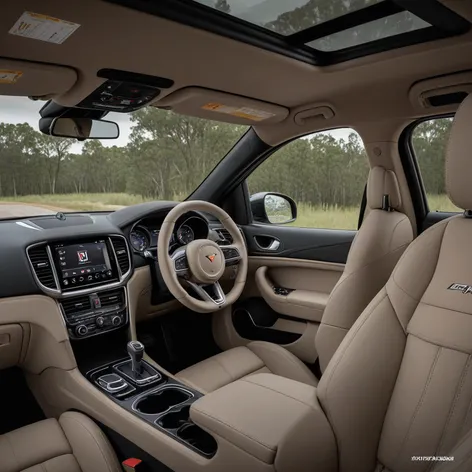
308 216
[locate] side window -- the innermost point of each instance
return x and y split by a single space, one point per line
429 140
324 174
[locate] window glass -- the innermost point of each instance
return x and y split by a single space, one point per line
287 16
325 173
429 141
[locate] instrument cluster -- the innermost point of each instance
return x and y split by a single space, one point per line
145 233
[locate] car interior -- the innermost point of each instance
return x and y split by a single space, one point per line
214 333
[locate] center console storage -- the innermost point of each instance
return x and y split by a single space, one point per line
275 420
155 398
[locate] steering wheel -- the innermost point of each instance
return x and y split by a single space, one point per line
202 262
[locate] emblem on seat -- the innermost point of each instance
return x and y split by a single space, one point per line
460 288
211 257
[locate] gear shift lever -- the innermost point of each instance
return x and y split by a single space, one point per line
136 352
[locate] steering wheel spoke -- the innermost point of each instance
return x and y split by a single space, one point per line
180 263
232 255
209 292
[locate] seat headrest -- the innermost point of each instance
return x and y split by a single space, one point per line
383 182
458 157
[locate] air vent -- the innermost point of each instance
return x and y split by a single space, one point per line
111 298
225 237
121 251
41 263
76 304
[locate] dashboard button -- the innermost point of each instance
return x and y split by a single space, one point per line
81 279
90 277
73 280
100 321
116 321
65 282
81 330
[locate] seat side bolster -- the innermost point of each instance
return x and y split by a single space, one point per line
89 445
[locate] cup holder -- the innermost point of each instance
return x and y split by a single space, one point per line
161 400
179 424
176 419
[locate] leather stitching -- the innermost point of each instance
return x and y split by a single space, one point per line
247 380
218 420
465 370
420 403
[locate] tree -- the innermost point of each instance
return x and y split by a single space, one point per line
55 149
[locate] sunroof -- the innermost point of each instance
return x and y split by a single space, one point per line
382 28
320 32
287 17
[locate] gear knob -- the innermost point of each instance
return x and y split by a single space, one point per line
136 352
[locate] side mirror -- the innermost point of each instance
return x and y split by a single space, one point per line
80 128
275 208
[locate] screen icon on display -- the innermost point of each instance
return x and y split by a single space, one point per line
83 256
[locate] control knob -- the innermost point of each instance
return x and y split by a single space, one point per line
100 321
81 330
116 321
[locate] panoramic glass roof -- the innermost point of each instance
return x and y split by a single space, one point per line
287 16
319 32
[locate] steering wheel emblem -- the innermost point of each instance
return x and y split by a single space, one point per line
211 257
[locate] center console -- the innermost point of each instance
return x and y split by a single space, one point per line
140 388
88 277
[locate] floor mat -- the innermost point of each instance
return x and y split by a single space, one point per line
18 407
178 340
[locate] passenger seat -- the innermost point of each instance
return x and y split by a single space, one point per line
382 238
72 444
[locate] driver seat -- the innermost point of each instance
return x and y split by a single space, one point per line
400 384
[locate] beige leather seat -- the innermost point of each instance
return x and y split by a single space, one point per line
381 240
72 444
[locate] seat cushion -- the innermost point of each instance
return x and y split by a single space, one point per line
72 444
256 357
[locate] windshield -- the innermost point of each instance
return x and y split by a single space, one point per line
159 155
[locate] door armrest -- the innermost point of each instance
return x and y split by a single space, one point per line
305 304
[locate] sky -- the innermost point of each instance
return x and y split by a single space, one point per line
23 110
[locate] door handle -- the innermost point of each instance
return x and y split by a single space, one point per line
267 243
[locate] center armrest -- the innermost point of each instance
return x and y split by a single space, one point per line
276 420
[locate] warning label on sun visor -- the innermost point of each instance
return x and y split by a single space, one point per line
43 28
241 112
9 76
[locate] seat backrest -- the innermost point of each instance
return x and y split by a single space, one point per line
400 384
381 240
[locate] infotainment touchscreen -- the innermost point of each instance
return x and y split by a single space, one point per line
83 264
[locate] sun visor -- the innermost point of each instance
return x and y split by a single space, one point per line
220 106
34 79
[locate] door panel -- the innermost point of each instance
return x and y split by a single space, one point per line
328 245
311 278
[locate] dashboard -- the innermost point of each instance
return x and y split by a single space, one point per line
85 260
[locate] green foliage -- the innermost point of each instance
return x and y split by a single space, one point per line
169 155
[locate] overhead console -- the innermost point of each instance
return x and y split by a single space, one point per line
124 91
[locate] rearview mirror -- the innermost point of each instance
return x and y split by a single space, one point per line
80 128
274 208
